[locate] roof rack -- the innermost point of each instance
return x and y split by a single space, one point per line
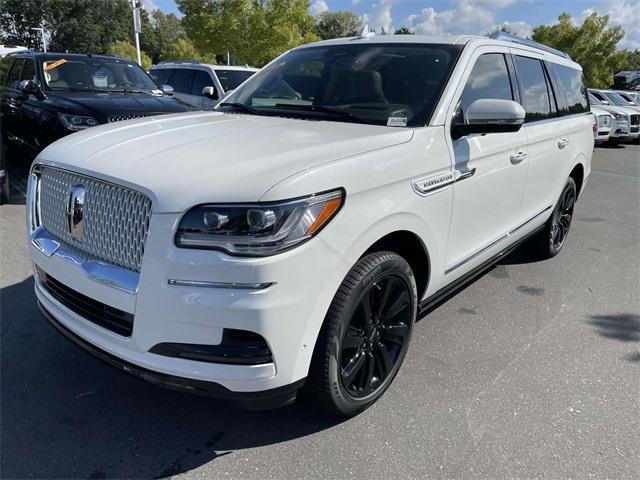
507 37
195 62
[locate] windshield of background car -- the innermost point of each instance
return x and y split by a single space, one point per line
616 99
95 75
231 79
392 84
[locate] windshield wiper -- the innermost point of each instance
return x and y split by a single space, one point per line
242 107
126 90
337 111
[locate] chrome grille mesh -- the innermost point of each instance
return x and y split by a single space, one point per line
116 219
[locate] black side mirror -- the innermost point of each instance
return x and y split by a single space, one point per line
28 87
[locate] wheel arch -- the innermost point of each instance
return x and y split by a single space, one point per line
577 173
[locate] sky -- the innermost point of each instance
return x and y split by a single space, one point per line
474 17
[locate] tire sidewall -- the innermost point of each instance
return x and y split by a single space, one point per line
394 265
570 185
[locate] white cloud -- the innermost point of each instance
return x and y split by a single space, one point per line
318 7
149 5
623 13
520 28
379 17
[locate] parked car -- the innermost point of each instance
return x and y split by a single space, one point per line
631 97
8 49
604 122
621 125
612 98
307 222
45 96
200 84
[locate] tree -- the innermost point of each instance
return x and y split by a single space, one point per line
253 31
337 25
166 29
183 49
593 44
124 49
403 31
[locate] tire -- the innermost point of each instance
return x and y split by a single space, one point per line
365 335
552 238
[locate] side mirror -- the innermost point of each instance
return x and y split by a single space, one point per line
490 116
28 87
167 89
210 92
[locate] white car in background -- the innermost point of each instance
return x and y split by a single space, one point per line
621 126
8 49
290 238
633 98
200 84
604 123
615 100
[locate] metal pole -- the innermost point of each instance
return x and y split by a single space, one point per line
136 28
228 58
44 43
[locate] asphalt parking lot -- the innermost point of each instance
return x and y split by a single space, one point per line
532 371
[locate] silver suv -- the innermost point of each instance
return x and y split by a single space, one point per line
200 84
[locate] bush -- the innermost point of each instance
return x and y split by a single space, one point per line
124 49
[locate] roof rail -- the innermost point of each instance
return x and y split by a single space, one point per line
179 61
507 37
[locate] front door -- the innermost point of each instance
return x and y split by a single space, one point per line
491 170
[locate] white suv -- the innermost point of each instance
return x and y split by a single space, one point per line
291 238
200 84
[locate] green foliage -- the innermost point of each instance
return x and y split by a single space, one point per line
592 45
165 29
632 60
403 31
338 25
253 31
124 49
183 49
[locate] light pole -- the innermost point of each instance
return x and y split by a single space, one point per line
137 27
44 43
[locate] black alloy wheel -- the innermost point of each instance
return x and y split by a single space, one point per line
552 238
365 335
376 336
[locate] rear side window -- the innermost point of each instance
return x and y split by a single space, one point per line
13 76
489 79
575 91
181 80
534 89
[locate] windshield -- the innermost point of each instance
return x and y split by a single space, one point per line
231 79
616 99
95 75
628 97
393 84
593 100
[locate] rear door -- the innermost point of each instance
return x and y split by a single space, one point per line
491 168
547 137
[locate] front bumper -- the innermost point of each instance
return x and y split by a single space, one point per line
288 314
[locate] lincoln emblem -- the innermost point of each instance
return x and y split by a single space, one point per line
75 212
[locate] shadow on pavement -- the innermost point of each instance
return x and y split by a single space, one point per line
623 326
65 414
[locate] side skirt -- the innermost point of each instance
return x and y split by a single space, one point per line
449 290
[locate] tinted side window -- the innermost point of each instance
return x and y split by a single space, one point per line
535 92
489 79
201 79
29 71
161 76
181 80
14 74
575 91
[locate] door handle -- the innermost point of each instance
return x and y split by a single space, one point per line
563 143
518 157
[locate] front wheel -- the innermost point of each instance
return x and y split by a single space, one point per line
552 238
365 335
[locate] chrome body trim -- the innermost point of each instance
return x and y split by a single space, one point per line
109 275
224 285
495 242
433 183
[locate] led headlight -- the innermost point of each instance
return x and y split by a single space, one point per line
618 116
77 122
604 120
258 229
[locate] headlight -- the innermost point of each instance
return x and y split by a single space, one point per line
604 120
76 122
258 229
619 116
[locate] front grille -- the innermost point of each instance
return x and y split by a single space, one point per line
112 319
115 219
119 118
635 119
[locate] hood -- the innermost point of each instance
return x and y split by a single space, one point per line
618 110
103 105
188 159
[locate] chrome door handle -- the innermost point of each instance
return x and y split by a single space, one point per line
518 157
563 143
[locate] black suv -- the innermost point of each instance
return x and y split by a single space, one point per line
45 96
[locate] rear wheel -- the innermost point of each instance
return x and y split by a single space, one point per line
365 335
552 238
